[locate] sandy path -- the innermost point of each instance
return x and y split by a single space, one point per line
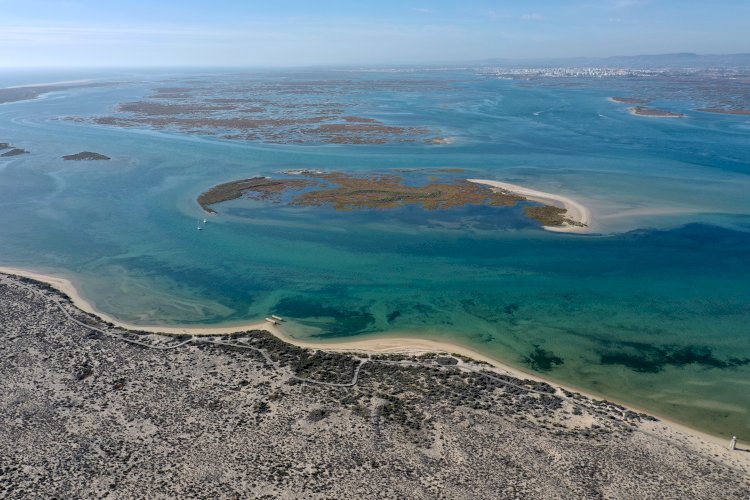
575 210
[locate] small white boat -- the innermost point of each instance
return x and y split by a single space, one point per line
205 221
277 318
272 321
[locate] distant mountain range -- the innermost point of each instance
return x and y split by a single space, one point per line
681 60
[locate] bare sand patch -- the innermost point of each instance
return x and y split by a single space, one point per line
575 211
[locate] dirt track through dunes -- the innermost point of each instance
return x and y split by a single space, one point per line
87 414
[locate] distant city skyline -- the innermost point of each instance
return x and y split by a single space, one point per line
85 33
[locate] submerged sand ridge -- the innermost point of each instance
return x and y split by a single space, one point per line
29 92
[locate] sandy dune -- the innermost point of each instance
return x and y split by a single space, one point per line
384 345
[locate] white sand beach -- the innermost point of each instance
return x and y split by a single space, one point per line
575 211
664 429
385 345
66 286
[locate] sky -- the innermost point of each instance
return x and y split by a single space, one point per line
164 33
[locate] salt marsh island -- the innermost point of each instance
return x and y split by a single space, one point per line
386 191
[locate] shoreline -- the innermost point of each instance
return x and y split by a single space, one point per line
575 211
653 113
384 345
361 421
67 286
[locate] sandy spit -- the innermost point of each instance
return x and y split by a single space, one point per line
575 210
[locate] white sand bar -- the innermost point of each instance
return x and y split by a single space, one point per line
575 211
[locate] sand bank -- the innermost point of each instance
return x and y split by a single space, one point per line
663 429
575 211
653 113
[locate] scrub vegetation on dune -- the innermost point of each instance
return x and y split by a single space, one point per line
89 409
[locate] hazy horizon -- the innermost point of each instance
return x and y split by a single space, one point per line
231 33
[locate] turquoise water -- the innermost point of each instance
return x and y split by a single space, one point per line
652 309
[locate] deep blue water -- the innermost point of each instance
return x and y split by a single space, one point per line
652 309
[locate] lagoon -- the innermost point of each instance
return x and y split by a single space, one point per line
651 309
